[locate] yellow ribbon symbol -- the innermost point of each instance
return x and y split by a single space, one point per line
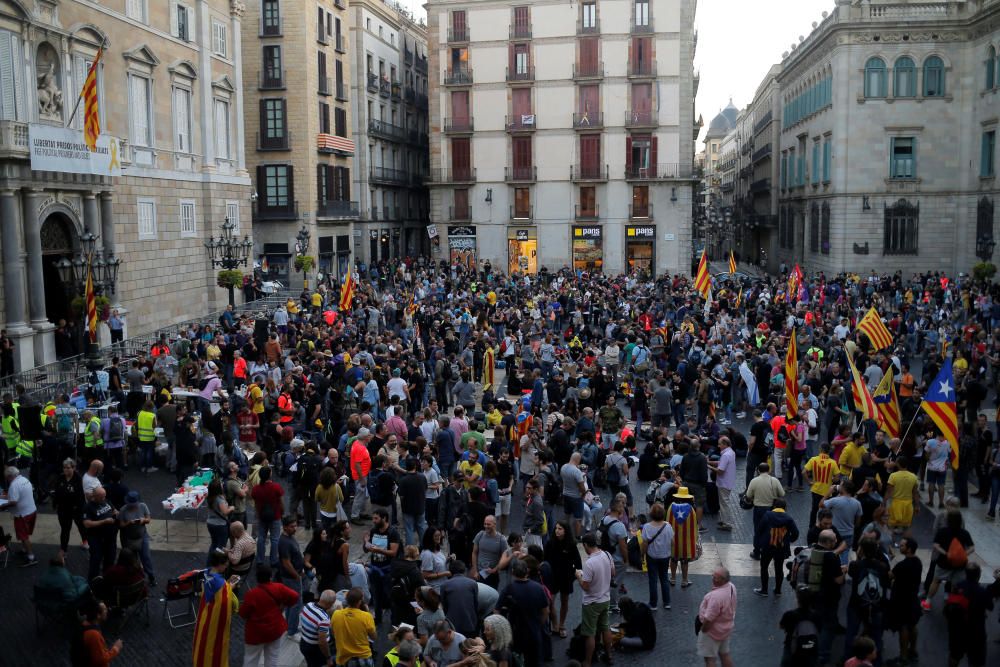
114 156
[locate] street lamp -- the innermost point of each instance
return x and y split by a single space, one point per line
984 247
229 252
301 249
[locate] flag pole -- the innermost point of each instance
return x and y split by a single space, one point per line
76 107
912 422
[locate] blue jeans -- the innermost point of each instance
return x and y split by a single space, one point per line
856 626
447 467
292 612
657 570
994 493
264 531
219 534
146 451
414 525
379 583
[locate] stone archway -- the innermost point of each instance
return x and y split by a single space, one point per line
59 240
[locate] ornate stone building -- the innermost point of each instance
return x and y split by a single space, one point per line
169 84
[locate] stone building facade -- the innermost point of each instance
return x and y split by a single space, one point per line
562 133
169 84
887 157
389 96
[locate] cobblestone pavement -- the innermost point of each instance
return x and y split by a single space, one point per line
757 639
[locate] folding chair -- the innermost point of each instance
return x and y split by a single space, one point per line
183 588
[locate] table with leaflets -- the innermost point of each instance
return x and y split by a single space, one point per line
190 497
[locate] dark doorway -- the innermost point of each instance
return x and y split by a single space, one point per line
58 238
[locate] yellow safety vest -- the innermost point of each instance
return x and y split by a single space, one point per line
25 448
393 657
11 436
145 423
92 436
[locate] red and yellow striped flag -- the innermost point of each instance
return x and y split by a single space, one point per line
888 404
91 107
489 363
702 281
91 305
732 262
792 378
863 401
871 325
347 291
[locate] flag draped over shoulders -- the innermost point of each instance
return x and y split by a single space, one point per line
215 617
683 519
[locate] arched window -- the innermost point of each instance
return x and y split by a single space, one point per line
991 68
875 78
933 77
904 78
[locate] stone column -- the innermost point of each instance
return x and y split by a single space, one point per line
206 98
13 283
236 10
45 351
107 223
90 220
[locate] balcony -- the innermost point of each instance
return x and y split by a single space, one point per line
340 44
656 172
640 212
527 174
588 172
422 101
459 76
519 213
453 175
289 211
761 153
421 64
340 4
272 28
764 121
341 91
583 71
458 35
642 70
644 28
277 143
321 34
325 85
326 208
383 87
640 119
372 83
587 213
761 185
524 122
526 74
271 79
13 139
582 29
396 91
407 55
458 125
460 213
384 130
588 120
410 95
520 32
388 176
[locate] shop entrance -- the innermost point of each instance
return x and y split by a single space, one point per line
522 251
640 249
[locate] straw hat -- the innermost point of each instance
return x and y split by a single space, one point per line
683 494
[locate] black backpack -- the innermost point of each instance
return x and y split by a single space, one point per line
308 471
115 430
805 641
605 530
552 491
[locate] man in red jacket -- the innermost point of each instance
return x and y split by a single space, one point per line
263 610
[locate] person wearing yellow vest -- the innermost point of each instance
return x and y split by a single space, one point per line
406 650
93 441
145 425
11 432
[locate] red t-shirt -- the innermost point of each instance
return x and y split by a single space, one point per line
268 492
359 454
777 422
262 610
248 423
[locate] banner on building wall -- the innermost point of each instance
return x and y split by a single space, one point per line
63 149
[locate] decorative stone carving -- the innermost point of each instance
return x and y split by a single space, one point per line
237 9
50 97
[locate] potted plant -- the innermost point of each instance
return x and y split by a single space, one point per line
304 263
983 271
229 278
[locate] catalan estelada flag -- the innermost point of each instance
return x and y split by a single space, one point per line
871 325
739 297
888 405
794 280
91 108
702 281
939 404
91 305
732 262
489 361
792 377
684 520
215 617
863 401
347 291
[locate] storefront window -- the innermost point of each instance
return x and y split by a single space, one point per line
640 243
588 249
522 250
462 246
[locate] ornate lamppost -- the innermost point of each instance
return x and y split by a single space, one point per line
229 253
303 261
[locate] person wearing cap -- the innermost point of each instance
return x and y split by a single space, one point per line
212 387
133 518
683 519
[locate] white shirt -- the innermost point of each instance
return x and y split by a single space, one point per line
396 387
20 494
89 484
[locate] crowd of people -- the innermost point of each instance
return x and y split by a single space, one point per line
485 434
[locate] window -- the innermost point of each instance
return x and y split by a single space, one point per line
900 229
140 117
987 161
233 215
933 77
640 201
219 41
824 233
458 26
875 78
815 163
903 160
588 201
638 157
904 78
182 22
11 78
589 15
272 66
136 9
522 203
814 228
187 218
273 123
81 66
522 22
784 170
277 181
271 17
984 218
827 159
801 175
146 216
991 68
340 122
461 158
642 12
519 59
182 120
324 118
222 142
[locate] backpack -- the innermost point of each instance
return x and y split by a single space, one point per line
614 475
807 570
869 588
552 489
446 371
805 640
308 471
957 556
64 422
115 430
634 552
654 486
782 435
605 530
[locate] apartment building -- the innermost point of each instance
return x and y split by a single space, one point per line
168 171
390 127
298 145
562 134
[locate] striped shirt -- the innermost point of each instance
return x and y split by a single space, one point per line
313 621
823 468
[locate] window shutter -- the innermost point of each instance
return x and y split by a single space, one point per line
190 23
138 111
652 156
79 75
345 187
511 56
628 154
20 112
7 110
321 183
174 27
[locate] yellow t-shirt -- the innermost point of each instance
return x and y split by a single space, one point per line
465 468
823 470
352 628
317 299
256 397
902 482
328 499
850 458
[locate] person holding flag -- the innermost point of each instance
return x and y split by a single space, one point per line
215 614
347 291
732 264
939 404
888 404
703 281
684 521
